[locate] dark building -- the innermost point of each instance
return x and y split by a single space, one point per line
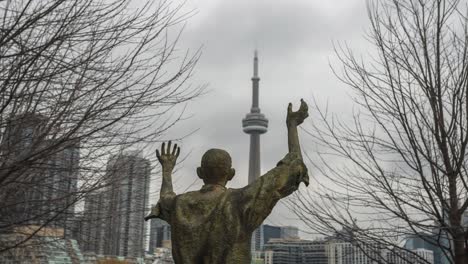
160 234
94 223
264 233
435 242
41 175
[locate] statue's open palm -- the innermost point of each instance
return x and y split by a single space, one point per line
168 157
296 118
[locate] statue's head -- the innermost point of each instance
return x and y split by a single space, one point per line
216 167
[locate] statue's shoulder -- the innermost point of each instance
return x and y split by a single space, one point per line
187 195
235 192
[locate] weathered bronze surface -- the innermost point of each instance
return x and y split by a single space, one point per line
214 225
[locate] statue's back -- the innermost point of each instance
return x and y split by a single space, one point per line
207 227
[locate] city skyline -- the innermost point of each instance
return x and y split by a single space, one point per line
384 143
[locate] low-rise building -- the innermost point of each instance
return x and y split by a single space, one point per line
48 245
295 251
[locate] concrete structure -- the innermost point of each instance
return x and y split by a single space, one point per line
95 219
47 246
114 215
60 186
435 242
46 188
416 256
295 251
129 176
255 124
127 203
343 252
263 234
160 234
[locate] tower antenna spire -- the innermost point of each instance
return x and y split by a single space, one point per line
255 63
255 124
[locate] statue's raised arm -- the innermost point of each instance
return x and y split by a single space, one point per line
293 120
167 158
260 197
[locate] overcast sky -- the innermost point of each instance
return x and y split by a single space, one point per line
295 41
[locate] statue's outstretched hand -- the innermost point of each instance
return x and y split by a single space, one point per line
296 118
168 158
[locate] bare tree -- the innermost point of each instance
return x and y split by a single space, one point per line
399 167
81 80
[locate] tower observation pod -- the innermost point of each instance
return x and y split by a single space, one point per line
255 123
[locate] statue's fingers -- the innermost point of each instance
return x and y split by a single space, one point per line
158 155
174 150
289 108
178 152
163 148
304 106
169 147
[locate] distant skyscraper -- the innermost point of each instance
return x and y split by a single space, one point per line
95 220
160 231
61 185
44 191
119 208
255 124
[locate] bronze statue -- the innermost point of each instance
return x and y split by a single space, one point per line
214 225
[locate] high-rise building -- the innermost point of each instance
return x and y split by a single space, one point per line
95 219
160 234
59 189
295 251
43 192
115 214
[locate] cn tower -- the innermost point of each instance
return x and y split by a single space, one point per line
255 123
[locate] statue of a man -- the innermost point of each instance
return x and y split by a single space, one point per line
214 225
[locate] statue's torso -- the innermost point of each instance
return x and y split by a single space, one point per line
207 227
